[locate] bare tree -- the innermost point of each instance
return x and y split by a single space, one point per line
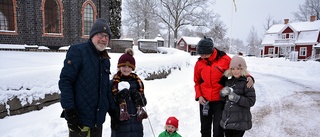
237 46
139 19
253 41
309 8
178 13
217 31
270 22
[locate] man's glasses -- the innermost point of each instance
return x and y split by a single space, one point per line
101 35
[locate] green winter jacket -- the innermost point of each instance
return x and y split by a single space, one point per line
166 134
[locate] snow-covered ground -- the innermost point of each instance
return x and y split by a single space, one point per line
288 94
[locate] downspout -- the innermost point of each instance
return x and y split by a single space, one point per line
99 8
313 56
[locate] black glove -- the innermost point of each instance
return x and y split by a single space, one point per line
122 95
234 97
137 98
73 120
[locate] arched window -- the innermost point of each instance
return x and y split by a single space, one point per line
7 15
88 17
52 17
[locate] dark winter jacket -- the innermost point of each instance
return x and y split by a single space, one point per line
207 73
237 116
131 127
84 83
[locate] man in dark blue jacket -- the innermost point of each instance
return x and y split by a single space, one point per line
84 83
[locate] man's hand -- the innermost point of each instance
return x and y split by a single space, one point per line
73 120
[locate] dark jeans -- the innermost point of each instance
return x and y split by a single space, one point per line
233 133
214 118
94 132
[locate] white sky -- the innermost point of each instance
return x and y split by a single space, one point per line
288 94
253 13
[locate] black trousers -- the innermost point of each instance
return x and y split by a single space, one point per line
212 120
94 132
233 133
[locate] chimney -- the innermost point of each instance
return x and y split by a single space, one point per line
286 21
312 18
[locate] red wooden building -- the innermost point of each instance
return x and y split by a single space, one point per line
188 44
303 38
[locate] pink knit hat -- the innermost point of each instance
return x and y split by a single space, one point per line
239 62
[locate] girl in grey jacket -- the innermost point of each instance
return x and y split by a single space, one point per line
236 116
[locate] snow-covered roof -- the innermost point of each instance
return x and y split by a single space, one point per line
159 38
275 28
307 37
191 40
297 26
306 26
122 39
147 40
269 39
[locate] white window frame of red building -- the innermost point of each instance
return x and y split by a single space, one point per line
291 36
303 51
270 50
181 44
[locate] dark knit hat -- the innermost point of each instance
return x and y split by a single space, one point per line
101 25
127 59
237 61
172 121
205 46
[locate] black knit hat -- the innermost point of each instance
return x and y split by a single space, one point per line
99 26
205 46
127 59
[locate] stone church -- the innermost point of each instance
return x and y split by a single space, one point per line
50 23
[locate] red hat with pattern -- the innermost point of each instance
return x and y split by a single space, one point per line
127 59
173 121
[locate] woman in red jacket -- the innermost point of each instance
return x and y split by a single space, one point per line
207 73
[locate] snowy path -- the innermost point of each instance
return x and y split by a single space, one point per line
286 110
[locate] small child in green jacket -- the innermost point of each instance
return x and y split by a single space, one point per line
171 128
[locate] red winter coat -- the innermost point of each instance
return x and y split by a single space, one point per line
207 74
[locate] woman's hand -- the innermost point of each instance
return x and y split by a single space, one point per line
202 100
249 82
